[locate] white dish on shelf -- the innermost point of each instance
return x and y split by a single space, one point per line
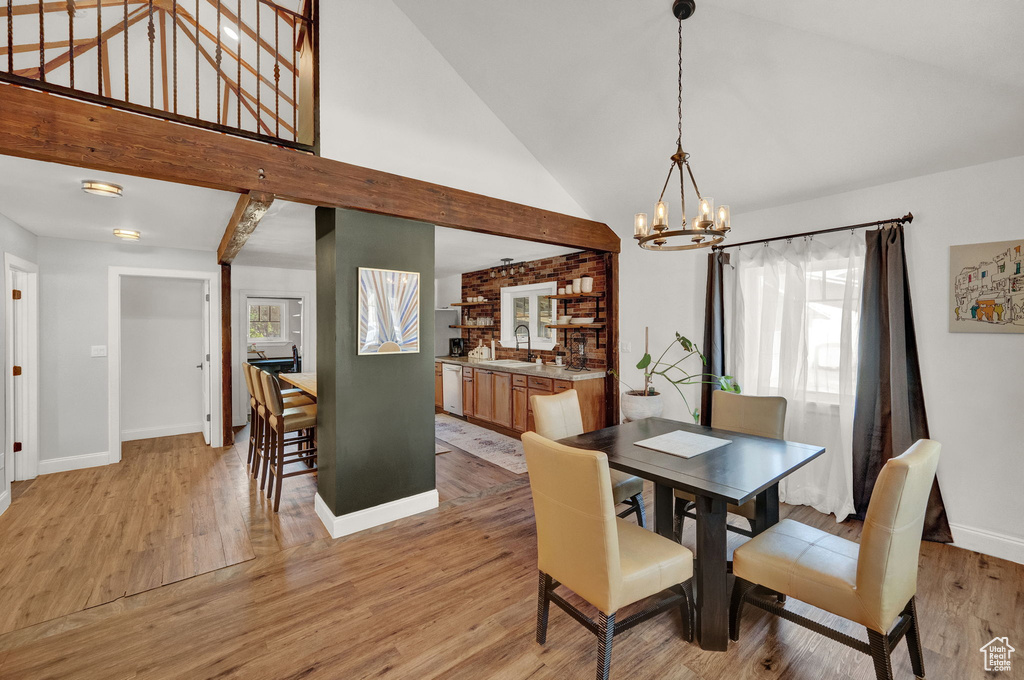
582 320
563 320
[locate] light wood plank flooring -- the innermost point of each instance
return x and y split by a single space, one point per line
450 594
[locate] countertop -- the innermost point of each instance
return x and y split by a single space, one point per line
545 371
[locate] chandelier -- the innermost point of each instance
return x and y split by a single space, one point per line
708 226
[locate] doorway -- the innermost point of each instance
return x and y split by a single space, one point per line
21 393
207 364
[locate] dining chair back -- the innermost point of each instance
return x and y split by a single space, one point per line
281 419
559 416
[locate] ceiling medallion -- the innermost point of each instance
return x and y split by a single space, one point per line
708 227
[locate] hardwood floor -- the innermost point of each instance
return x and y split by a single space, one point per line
451 594
459 473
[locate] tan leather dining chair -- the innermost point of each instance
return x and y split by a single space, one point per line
258 429
760 416
559 416
872 584
282 420
582 545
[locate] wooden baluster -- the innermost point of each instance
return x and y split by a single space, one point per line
217 56
126 90
277 75
42 41
71 42
238 58
10 36
259 52
151 33
174 44
295 83
101 51
196 16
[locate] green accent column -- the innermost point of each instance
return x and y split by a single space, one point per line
375 425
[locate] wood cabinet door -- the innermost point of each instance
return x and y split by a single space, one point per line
520 418
483 394
438 386
467 393
501 403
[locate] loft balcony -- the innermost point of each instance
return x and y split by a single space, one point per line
242 67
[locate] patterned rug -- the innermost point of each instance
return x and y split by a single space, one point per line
438 449
481 442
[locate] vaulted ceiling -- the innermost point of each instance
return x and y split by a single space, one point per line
782 102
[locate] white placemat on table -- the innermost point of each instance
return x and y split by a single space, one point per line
683 444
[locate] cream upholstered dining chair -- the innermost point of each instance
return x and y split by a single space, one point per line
281 421
872 584
760 416
581 544
559 416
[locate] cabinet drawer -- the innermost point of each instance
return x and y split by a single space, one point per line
467 372
563 385
535 383
518 380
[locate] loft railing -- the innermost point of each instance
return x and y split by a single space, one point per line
244 67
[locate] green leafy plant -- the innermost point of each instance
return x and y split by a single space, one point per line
674 373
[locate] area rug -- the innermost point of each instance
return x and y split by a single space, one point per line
438 449
481 442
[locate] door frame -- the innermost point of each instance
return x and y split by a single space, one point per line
114 276
18 467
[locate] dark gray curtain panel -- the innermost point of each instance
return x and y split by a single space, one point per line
890 411
713 345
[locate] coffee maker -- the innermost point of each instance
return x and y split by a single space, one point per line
457 347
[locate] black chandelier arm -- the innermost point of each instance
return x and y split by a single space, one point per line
667 178
693 181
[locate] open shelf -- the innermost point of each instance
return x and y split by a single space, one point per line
492 326
575 296
471 304
564 326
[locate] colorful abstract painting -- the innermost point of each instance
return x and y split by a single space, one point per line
389 311
986 287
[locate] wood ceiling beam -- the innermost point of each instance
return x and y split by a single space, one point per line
252 34
49 45
50 128
249 210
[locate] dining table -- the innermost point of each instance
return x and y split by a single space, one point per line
304 381
746 468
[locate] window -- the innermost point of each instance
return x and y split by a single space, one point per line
1002 268
267 321
528 306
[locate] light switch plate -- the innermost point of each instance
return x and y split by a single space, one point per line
99 350
625 346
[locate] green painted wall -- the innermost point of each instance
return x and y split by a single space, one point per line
375 428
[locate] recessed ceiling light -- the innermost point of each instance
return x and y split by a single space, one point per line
231 33
127 234
91 186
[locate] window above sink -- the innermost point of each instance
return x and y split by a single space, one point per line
529 305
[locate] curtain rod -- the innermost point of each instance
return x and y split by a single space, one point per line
906 219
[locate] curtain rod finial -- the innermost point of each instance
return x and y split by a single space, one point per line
908 218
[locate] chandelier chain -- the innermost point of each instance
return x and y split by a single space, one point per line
679 101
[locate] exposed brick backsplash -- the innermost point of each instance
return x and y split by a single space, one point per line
562 269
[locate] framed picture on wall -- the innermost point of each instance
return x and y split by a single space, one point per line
389 311
986 287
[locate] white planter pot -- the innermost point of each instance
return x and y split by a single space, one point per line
640 406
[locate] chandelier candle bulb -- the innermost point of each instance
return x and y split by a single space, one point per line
723 218
660 215
640 225
707 209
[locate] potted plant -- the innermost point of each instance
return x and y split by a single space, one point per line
647 403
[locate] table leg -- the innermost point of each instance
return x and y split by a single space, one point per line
766 508
664 496
710 576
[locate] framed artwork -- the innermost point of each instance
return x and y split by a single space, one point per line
986 287
389 311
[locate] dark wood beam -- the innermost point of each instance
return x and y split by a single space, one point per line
249 210
46 127
225 355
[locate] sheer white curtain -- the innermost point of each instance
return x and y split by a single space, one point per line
792 311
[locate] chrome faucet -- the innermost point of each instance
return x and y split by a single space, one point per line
529 349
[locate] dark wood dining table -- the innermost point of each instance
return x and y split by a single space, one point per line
747 468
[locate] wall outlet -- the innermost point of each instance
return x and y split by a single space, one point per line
99 351
625 347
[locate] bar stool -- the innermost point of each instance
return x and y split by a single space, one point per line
281 421
258 430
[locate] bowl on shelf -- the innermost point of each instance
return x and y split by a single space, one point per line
582 320
563 320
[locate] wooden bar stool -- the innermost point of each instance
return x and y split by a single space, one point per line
281 421
291 399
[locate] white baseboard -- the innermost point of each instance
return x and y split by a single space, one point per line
154 432
988 542
375 516
5 500
88 460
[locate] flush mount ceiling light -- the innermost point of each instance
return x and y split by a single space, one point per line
97 188
127 234
708 227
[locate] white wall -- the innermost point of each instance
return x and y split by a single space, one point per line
390 101
973 382
161 345
73 317
268 282
447 289
16 241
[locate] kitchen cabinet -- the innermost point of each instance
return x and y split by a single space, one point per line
438 385
501 399
467 392
520 409
483 394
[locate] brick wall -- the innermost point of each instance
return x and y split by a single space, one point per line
562 269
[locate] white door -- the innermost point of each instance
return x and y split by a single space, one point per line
204 365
